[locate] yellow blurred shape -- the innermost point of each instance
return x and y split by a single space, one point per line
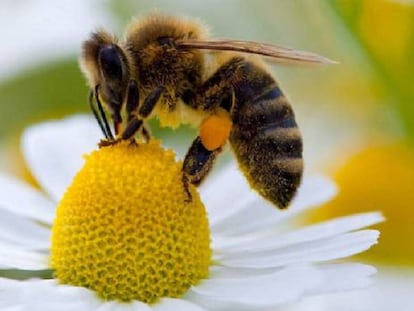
379 179
387 27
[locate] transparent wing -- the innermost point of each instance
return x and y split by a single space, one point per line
275 53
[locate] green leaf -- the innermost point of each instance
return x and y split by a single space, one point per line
52 90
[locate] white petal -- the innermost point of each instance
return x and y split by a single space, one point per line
170 304
135 306
318 231
22 231
392 290
8 283
342 277
47 295
320 250
281 286
255 214
278 287
129 306
54 151
62 306
13 308
23 259
24 200
225 194
108 306
237 272
256 293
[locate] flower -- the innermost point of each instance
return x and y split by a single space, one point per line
393 196
374 189
256 260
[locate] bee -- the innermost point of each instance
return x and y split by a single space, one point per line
166 67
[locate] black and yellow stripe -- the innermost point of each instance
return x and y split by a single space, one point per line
266 138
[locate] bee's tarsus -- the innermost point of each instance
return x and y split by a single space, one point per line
145 133
108 142
133 142
186 186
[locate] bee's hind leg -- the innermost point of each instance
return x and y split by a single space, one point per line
197 164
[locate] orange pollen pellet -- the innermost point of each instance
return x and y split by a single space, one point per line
215 130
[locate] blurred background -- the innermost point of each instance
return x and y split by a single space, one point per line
357 117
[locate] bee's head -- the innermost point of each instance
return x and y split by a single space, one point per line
106 68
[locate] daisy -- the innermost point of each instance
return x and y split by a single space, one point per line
122 237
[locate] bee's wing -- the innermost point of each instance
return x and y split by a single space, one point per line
276 53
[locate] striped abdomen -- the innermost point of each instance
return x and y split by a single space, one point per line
265 137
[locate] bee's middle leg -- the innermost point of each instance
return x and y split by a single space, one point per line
135 114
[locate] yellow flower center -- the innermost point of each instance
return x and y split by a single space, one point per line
126 230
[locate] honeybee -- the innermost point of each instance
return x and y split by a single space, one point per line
167 67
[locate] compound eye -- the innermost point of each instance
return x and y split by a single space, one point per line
111 63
